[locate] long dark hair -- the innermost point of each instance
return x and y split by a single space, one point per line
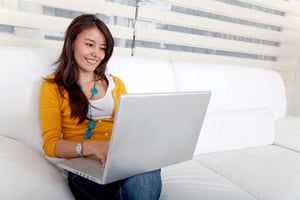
67 72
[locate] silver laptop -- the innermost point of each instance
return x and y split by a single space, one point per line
150 131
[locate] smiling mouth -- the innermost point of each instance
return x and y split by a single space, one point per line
92 62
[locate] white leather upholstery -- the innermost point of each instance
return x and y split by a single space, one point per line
21 73
143 75
231 130
26 174
191 180
288 133
267 173
234 87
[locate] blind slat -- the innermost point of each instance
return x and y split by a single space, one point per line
11 40
59 24
207 58
192 40
291 7
34 21
92 6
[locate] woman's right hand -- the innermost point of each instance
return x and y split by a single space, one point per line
96 148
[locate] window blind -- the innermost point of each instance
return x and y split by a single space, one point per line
255 33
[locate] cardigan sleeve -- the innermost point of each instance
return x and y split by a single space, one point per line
50 116
119 89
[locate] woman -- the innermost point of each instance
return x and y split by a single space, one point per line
77 107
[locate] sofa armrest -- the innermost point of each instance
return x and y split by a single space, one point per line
27 174
288 132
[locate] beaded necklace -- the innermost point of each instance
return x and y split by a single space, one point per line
91 124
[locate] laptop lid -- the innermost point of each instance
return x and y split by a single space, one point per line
152 131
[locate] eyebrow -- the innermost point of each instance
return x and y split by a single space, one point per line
105 45
90 40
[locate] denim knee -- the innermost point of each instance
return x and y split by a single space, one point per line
146 186
83 188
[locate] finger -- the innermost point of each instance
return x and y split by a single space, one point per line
102 161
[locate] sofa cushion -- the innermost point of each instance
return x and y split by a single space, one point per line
268 173
288 132
26 174
230 130
142 75
191 180
234 87
19 86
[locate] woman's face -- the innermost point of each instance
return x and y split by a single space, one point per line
89 49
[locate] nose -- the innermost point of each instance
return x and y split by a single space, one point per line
95 52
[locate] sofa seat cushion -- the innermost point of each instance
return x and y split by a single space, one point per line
269 172
26 174
190 180
232 130
288 132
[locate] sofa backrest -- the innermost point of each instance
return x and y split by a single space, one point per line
234 87
22 70
244 103
142 75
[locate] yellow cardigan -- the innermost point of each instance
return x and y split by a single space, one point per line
56 122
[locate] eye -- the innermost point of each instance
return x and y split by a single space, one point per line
103 48
89 44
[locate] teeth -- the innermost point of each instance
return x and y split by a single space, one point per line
91 61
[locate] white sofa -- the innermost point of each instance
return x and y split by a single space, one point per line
248 147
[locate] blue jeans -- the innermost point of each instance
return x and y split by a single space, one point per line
146 186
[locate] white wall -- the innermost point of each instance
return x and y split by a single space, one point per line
294 108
